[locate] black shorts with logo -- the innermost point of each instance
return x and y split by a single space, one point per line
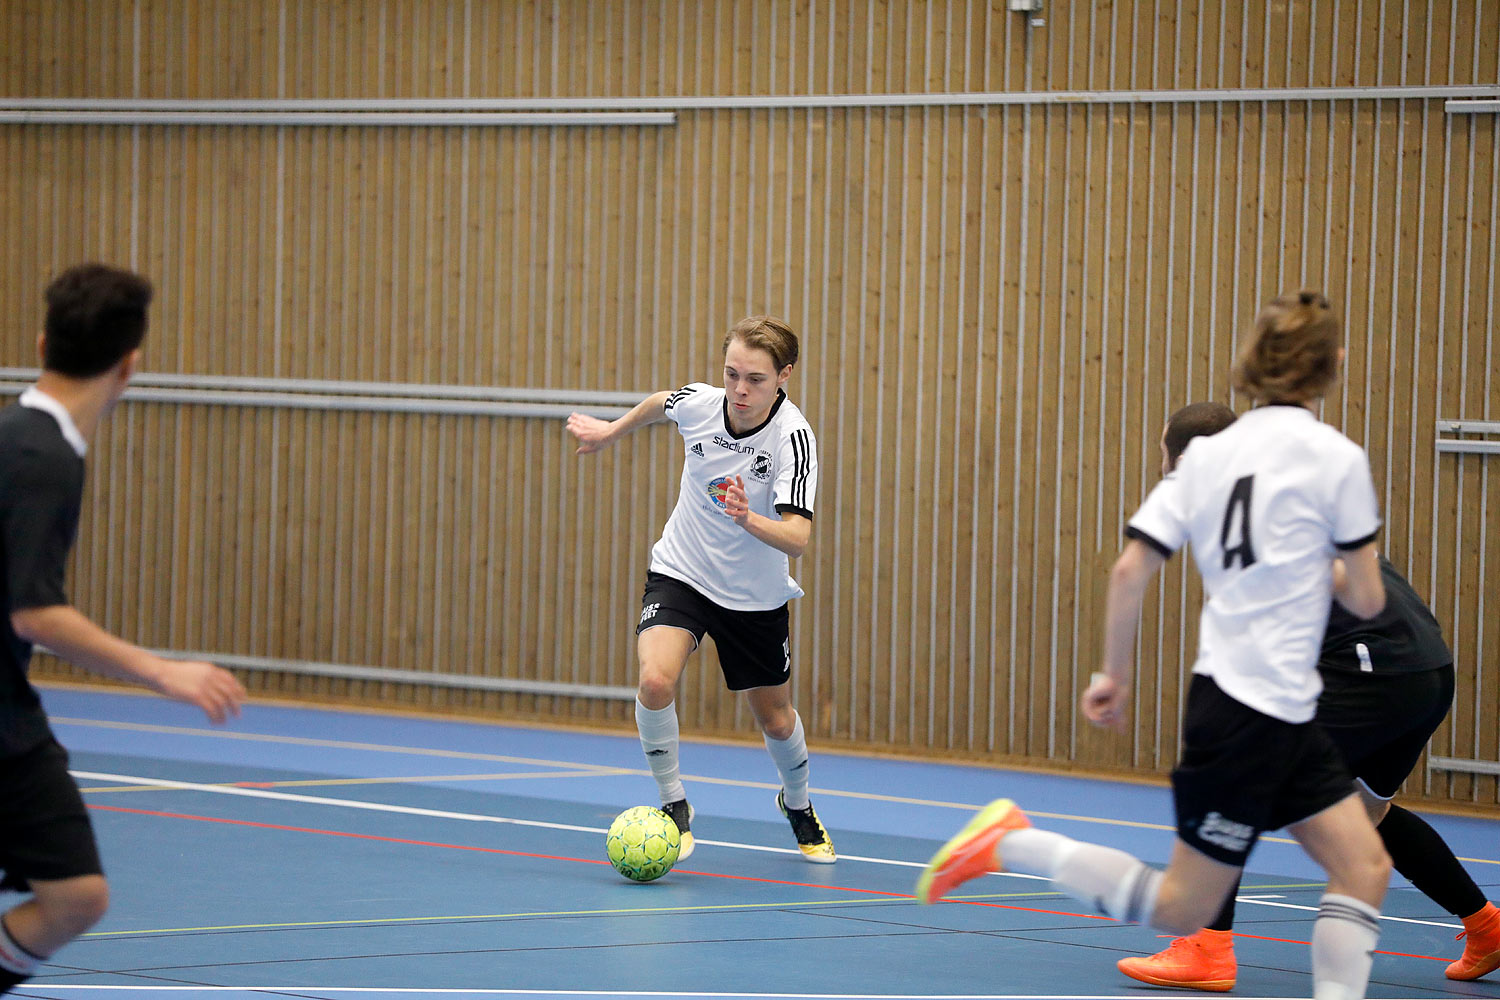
45 832
1243 772
1381 722
755 647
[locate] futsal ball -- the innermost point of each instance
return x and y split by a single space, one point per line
643 843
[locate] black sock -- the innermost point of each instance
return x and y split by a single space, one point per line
1428 862
1225 920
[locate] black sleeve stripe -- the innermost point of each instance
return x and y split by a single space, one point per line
801 467
676 397
787 508
1358 543
1131 531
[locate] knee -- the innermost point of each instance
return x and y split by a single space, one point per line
1378 866
779 725
75 906
657 687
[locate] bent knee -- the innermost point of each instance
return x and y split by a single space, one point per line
657 687
1379 866
779 725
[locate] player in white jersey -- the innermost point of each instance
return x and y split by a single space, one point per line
721 566
1267 504
1387 686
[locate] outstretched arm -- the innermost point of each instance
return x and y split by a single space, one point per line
594 434
70 634
1104 701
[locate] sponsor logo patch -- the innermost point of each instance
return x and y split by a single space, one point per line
760 467
733 446
718 490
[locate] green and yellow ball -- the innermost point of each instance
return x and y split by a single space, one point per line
642 843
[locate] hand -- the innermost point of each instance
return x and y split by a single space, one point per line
211 688
736 503
1104 702
592 433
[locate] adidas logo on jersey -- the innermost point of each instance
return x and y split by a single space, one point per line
697 449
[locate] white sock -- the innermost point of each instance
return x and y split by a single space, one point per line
1343 946
790 756
14 958
1113 882
658 729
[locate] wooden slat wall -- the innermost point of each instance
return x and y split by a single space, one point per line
999 307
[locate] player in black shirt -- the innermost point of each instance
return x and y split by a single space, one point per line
96 319
1387 686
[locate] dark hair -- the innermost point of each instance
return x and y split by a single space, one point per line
1193 420
769 334
1293 354
96 315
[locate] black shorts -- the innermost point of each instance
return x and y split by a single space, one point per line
1381 722
1243 772
755 647
45 832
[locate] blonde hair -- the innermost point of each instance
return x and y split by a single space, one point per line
769 334
1293 352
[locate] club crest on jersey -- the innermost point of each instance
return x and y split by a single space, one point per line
760 467
718 491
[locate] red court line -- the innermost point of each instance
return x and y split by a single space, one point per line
687 871
1308 944
557 857
1397 954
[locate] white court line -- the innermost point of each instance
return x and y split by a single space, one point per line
600 769
308 741
319 800
434 992
606 771
1314 909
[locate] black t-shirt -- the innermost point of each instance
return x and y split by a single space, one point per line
41 490
1404 638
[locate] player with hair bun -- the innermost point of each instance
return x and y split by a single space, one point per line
1387 685
1267 504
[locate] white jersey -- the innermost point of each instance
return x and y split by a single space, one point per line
701 545
1265 503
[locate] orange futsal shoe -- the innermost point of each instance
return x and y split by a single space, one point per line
971 852
1482 951
1202 961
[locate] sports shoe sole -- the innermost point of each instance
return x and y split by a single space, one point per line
1207 985
818 854
971 851
1475 970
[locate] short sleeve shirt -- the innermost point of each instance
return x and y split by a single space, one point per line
778 461
1266 504
41 493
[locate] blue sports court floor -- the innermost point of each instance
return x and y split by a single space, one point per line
338 854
